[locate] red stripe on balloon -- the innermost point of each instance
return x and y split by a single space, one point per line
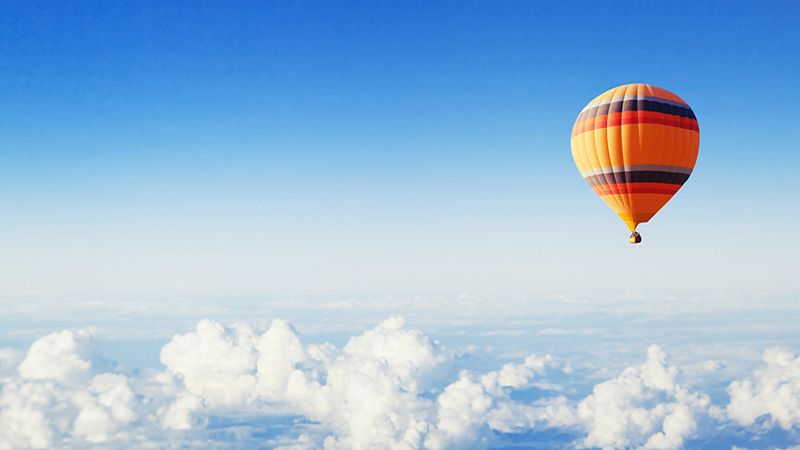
633 118
636 188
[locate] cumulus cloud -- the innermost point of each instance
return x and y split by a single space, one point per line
369 393
215 362
391 387
472 404
106 407
65 357
56 394
374 392
62 392
644 406
772 392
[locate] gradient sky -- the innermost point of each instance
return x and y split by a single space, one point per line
177 149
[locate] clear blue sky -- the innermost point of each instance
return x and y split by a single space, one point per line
251 148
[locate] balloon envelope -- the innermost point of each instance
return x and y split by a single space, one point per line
636 145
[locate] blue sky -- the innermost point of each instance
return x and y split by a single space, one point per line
201 148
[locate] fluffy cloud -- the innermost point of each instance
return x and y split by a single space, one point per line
64 357
56 394
106 407
643 406
215 362
372 393
389 388
470 404
62 392
369 393
773 391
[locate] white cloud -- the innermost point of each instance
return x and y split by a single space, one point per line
643 406
773 391
279 353
303 442
57 394
470 404
411 355
712 365
215 362
518 376
371 393
64 357
62 393
462 408
390 387
106 407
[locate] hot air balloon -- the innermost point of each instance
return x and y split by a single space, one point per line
636 145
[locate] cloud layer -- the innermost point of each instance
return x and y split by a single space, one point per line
390 387
772 393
